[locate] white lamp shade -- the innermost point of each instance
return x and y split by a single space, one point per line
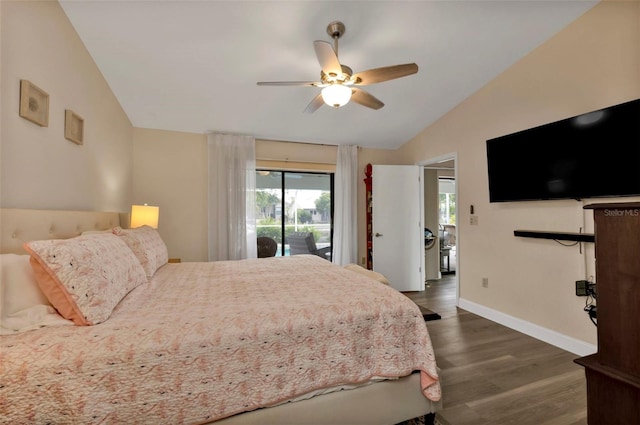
144 215
336 95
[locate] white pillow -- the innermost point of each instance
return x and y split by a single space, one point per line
20 289
34 317
23 306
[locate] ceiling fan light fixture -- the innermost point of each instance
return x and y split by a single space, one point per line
336 95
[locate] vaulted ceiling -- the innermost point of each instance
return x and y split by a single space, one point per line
193 66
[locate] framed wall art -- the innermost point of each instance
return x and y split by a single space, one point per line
34 103
73 127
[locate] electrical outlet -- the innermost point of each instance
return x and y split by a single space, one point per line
582 287
363 261
473 220
485 282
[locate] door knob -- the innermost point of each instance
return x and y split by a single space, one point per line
378 234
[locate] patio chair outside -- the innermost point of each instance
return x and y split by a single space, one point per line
267 247
305 243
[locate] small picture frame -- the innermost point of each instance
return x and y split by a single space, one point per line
73 127
34 103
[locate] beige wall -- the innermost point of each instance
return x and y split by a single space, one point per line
39 167
170 171
591 64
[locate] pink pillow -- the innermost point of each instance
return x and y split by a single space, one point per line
85 277
147 245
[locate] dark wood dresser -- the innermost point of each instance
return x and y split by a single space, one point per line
613 373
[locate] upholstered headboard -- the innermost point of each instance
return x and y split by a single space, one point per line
18 226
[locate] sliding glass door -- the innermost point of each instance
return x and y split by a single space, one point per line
292 201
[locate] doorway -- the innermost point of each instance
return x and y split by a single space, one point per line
447 222
440 212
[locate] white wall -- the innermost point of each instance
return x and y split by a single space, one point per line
591 64
39 167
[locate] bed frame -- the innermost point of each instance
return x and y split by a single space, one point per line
384 403
18 226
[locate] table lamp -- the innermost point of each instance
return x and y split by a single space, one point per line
144 215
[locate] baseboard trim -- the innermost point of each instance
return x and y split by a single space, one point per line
549 336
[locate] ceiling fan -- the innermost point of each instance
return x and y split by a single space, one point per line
338 82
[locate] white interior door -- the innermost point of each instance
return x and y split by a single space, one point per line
398 230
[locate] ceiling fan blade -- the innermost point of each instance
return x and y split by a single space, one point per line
327 58
313 106
377 75
291 83
365 99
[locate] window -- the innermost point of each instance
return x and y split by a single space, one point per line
292 201
447 201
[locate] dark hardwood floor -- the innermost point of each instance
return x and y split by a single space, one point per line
493 375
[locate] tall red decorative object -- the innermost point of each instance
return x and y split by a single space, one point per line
368 184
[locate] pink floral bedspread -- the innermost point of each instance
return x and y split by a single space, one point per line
203 341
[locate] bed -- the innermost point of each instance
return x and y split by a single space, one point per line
289 340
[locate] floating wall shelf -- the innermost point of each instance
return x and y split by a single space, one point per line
562 236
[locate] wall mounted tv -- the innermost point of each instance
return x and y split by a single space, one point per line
596 154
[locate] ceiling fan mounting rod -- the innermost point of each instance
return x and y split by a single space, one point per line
336 30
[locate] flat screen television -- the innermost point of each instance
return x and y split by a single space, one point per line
596 154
